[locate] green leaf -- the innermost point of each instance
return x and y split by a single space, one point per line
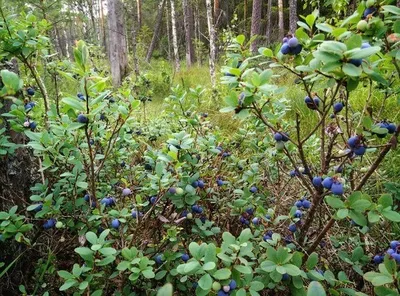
65 274
256 286
107 251
268 266
83 251
148 273
243 269
358 218
91 237
205 282
361 205
245 235
194 250
268 53
11 81
240 39
222 274
292 270
209 266
391 215
324 27
68 284
362 53
312 261
334 202
385 200
74 103
342 213
107 260
351 70
355 41
166 290
191 267
378 279
315 289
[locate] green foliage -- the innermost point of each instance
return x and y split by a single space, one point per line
199 208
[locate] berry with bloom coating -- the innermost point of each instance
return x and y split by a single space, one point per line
82 118
378 259
158 259
253 189
126 192
278 137
337 107
394 244
115 223
327 183
232 284
317 181
293 42
285 49
298 214
292 228
306 204
185 257
337 188
360 150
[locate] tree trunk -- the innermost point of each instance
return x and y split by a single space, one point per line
280 25
269 22
156 30
217 12
169 37
134 40
255 23
175 37
213 50
139 13
103 27
18 171
292 16
245 16
117 41
188 22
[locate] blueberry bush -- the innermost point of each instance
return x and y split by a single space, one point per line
287 202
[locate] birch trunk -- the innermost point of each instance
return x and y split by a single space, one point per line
188 23
281 26
213 50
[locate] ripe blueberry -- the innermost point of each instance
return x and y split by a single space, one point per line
327 183
185 257
337 188
292 228
82 118
317 181
115 223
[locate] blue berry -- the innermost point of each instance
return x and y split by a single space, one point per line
327 183
317 181
306 204
285 49
337 188
394 244
115 223
232 284
185 257
253 189
292 228
298 214
378 259
200 183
